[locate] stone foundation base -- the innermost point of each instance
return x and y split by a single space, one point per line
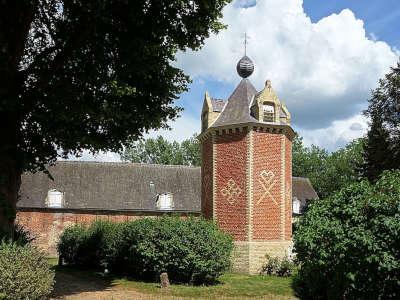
249 257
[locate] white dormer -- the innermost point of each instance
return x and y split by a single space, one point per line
55 199
266 107
165 201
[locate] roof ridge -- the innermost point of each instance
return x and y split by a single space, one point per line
122 163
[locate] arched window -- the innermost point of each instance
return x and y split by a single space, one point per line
268 112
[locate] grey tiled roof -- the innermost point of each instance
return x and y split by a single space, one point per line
114 186
124 186
217 104
237 111
302 189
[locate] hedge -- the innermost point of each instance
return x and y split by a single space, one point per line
190 250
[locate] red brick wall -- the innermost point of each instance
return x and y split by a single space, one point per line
207 178
288 173
266 206
46 226
231 163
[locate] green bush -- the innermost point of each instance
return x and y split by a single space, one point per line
348 245
282 267
24 272
87 246
191 250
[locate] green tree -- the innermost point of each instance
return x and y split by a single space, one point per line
348 245
161 151
191 151
343 166
310 162
382 149
378 153
88 75
328 172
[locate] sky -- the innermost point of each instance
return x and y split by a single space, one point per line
323 58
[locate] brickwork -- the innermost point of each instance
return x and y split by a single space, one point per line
207 178
47 226
288 175
267 179
251 192
231 204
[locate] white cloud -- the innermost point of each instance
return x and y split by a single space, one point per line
324 71
338 134
181 129
101 156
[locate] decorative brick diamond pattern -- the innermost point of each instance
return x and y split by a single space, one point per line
231 191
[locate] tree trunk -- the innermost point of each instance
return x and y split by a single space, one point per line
10 181
15 21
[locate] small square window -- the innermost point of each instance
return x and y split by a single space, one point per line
268 112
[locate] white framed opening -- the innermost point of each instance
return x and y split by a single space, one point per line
296 205
165 201
55 199
268 112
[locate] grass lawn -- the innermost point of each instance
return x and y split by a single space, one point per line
231 285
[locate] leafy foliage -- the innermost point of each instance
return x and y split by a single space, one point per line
328 172
84 75
87 75
161 151
87 246
191 250
282 267
378 154
347 245
24 272
19 235
382 149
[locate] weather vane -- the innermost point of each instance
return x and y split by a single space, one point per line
245 43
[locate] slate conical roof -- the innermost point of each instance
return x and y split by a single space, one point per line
237 110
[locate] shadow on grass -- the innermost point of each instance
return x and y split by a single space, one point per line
70 281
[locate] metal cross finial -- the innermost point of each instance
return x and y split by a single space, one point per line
245 43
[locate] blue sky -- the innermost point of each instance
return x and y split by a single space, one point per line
323 58
352 23
381 17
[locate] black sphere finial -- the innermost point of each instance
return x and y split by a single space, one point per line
245 67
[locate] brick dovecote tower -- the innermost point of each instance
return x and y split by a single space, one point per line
246 170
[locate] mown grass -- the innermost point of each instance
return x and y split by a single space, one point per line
230 285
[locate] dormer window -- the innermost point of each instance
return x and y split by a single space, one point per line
55 199
268 112
165 201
